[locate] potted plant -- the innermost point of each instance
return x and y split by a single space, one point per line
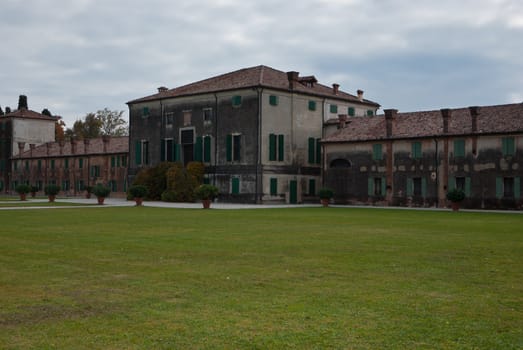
206 193
101 191
455 196
325 196
138 193
51 191
34 189
23 190
88 190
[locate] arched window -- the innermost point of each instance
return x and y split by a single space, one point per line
340 163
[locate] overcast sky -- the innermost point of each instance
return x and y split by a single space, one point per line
79 56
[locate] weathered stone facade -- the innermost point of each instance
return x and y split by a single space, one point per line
413 159
257 130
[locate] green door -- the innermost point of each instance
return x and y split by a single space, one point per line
293 192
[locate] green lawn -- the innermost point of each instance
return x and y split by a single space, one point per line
307 278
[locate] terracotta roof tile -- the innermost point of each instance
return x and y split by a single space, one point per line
491 119
260 76
115 145
29 114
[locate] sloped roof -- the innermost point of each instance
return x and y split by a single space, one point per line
28 114
115 145
491 120
259 76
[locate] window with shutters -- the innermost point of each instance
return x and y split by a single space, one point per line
377 186
168 119
233 147
314 150
52 163
95 171
370 113
187 118
235 185
459 148
334 108
66 163
145 112
312 187
65 185
508 146
416 150
460 183
80 164
276 147
207 116
167 150
207 148
416 187
508 187
312 105
236 101
141 152
377 152
273 100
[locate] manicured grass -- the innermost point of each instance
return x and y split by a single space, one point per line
307 278
29 203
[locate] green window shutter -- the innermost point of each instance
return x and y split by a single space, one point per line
177 150
370 113
236 100
416 150
80 164
66 165
499 187
162 150
370 186
118 164
410 187
377 152
423 187
318 151
452 183
273 100
334 108
312 105
467 186
198 149
459 148
138 152
312 187
383 186
207 149
311 150
281 147
508 146
124 161
52 163
235 185
517 187
274 186
229 147
272 147
352 111
113 162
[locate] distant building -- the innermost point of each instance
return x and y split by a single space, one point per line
413 159
74 165
19 130
257 130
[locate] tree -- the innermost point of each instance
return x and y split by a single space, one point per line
7 110
46 112
59 134
113 124
85 129
22 102
1 111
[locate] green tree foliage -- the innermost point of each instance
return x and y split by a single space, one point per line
22 102
59 133
46 112
171 181
1 111
7 110
103 122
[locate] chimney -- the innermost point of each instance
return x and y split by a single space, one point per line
360 95
31 148
106 139
73 146
342 119
335 88
446 114
390 114
474 112
293 78
61 144
86 146
162 89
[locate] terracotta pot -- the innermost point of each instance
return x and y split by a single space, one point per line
23 196
325 202
33 194
454 206
88 195
138 201
206 203
101 200
51 197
